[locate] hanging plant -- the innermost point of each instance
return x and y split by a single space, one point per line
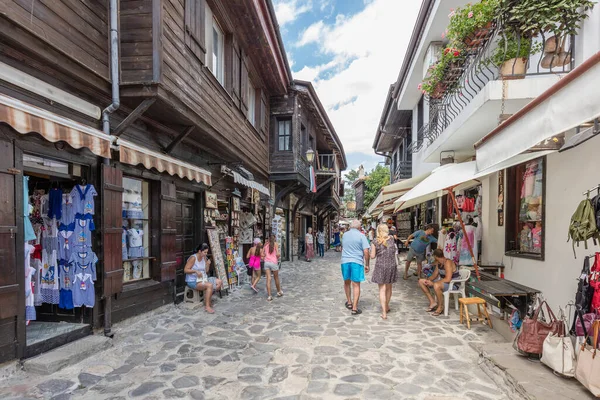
471 21
443 75
512 54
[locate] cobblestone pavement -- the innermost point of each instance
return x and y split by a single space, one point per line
305 345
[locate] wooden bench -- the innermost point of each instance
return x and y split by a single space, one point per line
464 303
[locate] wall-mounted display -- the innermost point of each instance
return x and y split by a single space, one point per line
211 200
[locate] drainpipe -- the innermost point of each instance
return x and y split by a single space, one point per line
114 106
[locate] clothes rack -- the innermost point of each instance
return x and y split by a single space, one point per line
587 192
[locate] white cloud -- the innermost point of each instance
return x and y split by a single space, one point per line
288 10
367 50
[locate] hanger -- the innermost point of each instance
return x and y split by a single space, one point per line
83 182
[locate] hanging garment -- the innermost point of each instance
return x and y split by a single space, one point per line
469 205
49 278
441 240
49 233
528 180
585 291
66 278
124 244
537 180
478 229
450 246
30 314
595 283
465 256
68 210
29 233
44 206
83 262
84 225
83 199
460 201
479 205
55 203
536 239
65 241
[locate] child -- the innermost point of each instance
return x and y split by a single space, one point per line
254 256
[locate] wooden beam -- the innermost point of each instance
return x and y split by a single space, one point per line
179 139
133 116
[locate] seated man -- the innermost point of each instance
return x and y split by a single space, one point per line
444 270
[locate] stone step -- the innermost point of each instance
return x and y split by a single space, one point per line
67 355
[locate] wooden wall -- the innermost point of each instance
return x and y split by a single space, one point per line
79 29
281 161
136 41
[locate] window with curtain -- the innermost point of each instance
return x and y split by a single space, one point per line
525 209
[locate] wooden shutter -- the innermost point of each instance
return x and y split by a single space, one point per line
168 231
11 291
195 18
244 84
235 74
112 229
264 116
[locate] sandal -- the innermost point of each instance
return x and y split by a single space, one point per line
382 317
437 313
348 306
432 309
356 312
405 278
270 298
279 294
255 289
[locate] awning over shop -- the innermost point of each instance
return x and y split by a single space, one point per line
238 178
456 177
390 193
567 104
26 118
133 154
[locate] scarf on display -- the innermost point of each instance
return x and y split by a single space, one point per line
313 180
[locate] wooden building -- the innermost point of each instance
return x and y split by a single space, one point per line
307 159
187 101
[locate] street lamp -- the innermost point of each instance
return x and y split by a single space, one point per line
310 155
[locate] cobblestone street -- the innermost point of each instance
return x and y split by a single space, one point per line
305 345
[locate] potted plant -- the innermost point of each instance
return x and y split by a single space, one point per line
471 25
444 74
512 53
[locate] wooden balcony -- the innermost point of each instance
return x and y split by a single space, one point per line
327 164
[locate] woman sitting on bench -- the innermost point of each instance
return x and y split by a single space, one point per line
439 280
196 275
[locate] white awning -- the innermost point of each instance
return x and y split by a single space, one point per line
565 105
390 193
457 177
378 200
238 178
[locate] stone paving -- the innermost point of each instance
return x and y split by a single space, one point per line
305 345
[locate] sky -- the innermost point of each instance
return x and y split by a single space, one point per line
352 51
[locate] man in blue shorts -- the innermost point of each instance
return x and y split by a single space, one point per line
421 239
355 262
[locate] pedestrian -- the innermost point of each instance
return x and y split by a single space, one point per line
355 262
310 246
321 242
445 271
371 236
254 257
384 249
421 239
196 275
272 256
336 239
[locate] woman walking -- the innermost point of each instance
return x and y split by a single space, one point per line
310 245
254 256
336 239
271 255
196 276
386 268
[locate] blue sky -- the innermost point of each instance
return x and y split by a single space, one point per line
352 51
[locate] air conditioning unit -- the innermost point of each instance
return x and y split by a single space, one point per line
432 55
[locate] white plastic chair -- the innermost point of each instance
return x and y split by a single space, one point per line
242 274
465 275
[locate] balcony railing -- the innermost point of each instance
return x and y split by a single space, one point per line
303 168
549 56
402 171
326 164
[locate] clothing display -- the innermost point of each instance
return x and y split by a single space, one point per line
465 256
83 199
530 211
55 203
30 314
83 262
68 210
84 225
450 247
49 277
65 283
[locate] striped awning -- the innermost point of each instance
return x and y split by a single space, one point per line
132 154
26 118
238 178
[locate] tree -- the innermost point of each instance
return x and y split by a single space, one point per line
351 177
376 179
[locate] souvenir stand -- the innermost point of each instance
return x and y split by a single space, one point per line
216 221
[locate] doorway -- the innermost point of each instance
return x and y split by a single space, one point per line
185 241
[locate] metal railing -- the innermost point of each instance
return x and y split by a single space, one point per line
402 171
481 65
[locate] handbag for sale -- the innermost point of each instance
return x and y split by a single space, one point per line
559 354
534 331
588 365
588 320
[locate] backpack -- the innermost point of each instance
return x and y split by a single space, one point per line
583 225
596 205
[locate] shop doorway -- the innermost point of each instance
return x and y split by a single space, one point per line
57 312
185 239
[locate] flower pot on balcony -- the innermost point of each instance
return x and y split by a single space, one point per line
479 37
551 45
439 91
555 60
514 68
484 31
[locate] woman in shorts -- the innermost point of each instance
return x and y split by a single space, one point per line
254 257
196 275
271 255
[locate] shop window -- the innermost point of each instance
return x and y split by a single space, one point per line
136 229
284 133
525 209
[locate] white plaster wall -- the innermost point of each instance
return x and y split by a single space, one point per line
419 166
568 175
587 42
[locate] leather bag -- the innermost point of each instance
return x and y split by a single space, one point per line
588 365
588 321
559 354
535 330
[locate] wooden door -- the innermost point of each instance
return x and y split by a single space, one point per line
12 300
112 230
185 241
168 232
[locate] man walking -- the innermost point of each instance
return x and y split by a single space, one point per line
355 262
321 242
417 248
